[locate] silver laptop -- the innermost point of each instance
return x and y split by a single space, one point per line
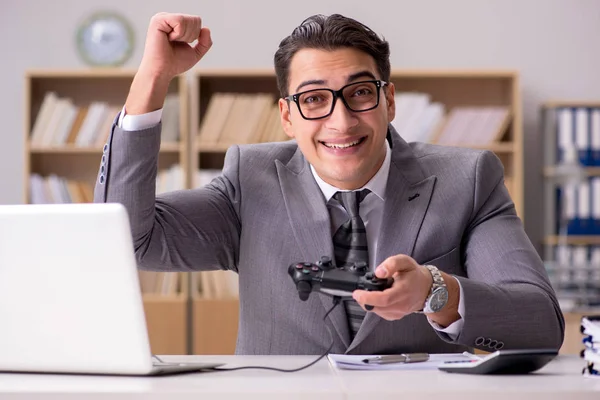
70 299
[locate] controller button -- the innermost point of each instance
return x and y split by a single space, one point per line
315 268
370 275
306 271
299 266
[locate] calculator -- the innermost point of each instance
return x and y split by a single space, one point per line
503 362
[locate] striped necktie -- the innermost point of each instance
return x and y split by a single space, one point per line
350 247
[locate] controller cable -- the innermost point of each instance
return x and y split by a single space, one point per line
336 301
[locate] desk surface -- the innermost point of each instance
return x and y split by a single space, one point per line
561 379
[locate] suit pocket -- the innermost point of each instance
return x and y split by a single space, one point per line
448 262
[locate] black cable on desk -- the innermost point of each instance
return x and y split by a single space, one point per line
336 301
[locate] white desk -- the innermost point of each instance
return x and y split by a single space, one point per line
561 379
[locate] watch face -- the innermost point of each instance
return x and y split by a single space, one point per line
105 39
439 298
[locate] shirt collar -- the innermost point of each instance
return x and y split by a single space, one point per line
377 184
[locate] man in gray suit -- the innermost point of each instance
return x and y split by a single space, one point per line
437 220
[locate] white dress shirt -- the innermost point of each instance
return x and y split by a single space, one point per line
370 210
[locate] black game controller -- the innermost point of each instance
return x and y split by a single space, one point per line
324 277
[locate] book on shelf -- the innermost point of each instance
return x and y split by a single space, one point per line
418 119
60 122
481 126
170 132
54 189
579 205
240 118
579 127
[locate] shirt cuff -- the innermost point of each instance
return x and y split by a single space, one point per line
454 329
139 122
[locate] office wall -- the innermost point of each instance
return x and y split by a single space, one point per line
553 43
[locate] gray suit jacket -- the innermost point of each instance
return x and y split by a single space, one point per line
266 212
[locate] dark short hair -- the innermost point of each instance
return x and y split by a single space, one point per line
330 33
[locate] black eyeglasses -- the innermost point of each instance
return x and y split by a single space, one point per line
319 103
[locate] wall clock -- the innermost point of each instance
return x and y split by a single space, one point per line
105 39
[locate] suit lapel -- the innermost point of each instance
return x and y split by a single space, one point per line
407 196
310 223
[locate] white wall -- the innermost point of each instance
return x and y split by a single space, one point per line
553 43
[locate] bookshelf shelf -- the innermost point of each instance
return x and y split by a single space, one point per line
96 151
549 172
65 150
500 147
212 148
573 240
570 103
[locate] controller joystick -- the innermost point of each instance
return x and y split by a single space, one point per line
359 268
325 263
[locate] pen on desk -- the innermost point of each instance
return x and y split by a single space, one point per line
397 358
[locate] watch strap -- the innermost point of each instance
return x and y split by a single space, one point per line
438 281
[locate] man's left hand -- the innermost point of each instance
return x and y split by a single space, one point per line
412 284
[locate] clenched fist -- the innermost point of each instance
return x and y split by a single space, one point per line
168 52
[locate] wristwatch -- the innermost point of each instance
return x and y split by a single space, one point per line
438 297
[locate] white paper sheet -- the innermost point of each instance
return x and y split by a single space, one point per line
343 361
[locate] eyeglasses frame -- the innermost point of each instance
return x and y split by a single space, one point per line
338 94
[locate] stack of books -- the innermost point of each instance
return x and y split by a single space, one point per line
590 328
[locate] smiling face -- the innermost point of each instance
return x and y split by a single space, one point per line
346 148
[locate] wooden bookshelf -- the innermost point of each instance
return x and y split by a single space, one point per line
166 314
82 88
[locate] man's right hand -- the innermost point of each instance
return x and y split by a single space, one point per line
167 53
